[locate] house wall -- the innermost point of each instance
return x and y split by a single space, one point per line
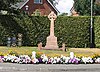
45 8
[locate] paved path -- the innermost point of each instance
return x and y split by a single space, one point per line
9 67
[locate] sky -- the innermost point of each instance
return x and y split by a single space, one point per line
64 6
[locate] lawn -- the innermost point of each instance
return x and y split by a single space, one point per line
28 50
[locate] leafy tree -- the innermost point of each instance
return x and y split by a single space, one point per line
63 14
96 9
83 7
6 5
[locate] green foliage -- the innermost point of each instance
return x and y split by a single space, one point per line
63 14
5 5
97 9
97 31
83 7
74 31
13 53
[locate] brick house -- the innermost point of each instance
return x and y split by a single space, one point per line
33 7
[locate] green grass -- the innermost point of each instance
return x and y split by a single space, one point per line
28 50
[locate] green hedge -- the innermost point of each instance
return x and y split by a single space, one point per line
74 31
97 31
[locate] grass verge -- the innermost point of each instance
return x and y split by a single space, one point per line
79 52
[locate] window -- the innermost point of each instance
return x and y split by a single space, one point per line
38 1
36 13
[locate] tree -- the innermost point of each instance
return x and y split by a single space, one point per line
83 7
96 9
63 14
6 5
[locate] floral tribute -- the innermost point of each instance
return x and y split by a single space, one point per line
43 59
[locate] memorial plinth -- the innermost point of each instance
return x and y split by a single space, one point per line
51 39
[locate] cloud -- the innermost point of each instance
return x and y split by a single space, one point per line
64 6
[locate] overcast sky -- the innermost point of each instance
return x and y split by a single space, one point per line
64 6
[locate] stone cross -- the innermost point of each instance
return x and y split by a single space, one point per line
52 16
51 39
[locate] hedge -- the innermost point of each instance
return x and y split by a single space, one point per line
73 31
97 30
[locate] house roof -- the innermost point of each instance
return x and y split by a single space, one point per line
19 5
53 6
